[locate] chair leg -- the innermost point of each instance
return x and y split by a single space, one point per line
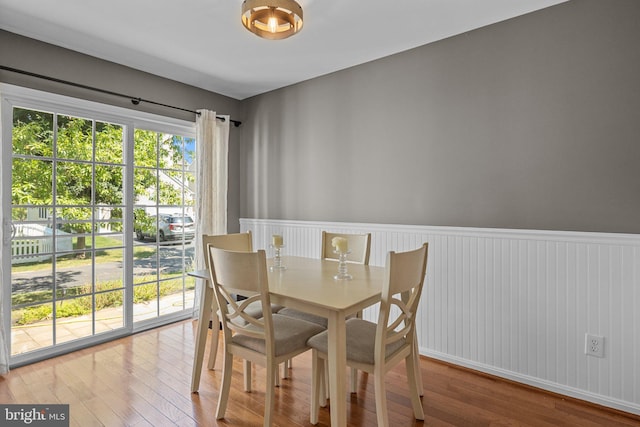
325 382
323 379
213 350
246 369
224 388
317 391
285 369
416 355
354 380
269 396
381 398
410 363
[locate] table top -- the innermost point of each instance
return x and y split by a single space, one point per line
310 282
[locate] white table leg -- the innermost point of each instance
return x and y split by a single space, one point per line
337 355
205 313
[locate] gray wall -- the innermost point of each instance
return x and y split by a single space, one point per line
42 58
530 123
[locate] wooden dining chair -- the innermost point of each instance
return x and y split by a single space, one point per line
236 242
241 242
360 248
377 347
268 340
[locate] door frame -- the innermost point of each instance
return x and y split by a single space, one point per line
17 96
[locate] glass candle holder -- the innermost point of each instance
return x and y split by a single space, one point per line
342 266
277 258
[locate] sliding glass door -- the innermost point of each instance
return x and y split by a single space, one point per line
164 186
98 231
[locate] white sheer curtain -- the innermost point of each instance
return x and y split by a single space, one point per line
4 347
212 148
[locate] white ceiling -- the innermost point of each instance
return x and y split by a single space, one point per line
203 43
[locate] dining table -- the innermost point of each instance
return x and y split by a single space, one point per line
308 284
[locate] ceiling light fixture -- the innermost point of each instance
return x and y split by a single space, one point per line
272 19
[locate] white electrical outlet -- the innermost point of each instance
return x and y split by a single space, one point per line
594 345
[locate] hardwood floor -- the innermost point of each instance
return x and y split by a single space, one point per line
144 380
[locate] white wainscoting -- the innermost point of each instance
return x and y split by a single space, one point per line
514 303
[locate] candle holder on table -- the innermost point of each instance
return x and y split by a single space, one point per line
277 259
342 266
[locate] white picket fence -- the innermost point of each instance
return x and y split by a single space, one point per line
34 243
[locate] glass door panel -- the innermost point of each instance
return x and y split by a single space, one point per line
67 256
164 223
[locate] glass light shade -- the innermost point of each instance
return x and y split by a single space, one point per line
272 19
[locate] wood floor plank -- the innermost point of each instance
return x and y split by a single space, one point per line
144 380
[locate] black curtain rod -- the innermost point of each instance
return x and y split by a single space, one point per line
134 100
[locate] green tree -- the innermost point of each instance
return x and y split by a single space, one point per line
153 174
80 183
32 174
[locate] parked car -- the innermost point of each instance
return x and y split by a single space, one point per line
170 227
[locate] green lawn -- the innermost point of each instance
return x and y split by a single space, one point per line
110 294
106 255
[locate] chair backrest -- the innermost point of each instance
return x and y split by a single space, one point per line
241 242
244 273
405 275
359 245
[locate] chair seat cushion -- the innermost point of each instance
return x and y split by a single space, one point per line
289 335
318 320
361 337
255 309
